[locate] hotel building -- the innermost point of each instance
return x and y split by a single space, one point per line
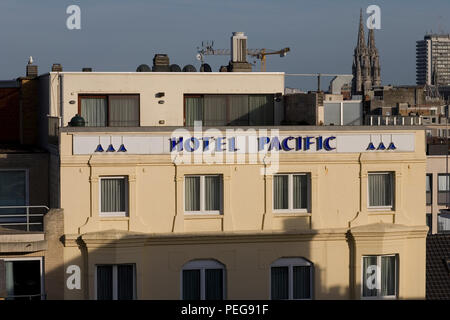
155 207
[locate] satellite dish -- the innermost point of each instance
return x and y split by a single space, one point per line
189 68
199 57
175 68
205 68
143 68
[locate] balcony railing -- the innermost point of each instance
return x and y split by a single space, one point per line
23 218
26 297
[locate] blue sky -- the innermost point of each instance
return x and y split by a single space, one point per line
119 35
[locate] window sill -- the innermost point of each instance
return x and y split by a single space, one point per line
202 215
290 214
113 218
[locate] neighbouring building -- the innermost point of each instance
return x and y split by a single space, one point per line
433 60
275 212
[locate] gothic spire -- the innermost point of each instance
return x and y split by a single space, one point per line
371 41
361 36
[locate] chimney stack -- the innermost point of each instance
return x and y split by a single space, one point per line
32 70
56 67
86 70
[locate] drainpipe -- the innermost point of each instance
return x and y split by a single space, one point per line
61 100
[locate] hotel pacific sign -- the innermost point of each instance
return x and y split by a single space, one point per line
305 143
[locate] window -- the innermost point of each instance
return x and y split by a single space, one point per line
291 192
379 276
291 278
113 196
429 222
116 282
381 190
429 184
443 189
13 192
443 223
203 280
24 278
229 110
203 194
109 110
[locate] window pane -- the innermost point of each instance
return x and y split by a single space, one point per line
261 110
444 223
300 191
442 182
369 276
302 282
212 193
215 110
192 193
124 111
213 284
12 193
93 110
380 190
113 195
238 112
428 183
279 283
104 283
125 282
281 192
194 110
191 284
388 276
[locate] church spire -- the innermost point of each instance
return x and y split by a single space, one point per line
371 41
361 37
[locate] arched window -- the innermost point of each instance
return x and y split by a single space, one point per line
291 278
203 280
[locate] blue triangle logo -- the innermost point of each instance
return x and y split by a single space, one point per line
99 148
371 146
110 148
381 146
392 146
122 148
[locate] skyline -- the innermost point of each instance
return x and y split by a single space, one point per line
321 35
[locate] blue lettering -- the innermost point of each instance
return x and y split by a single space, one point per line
188 146
285 144
174 143
308 143
205 143
275 144
219 144
326 143
319 143
262 142
298 143
232 144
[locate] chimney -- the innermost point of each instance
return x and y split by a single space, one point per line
161 63
56 67
32 70
86 70
238 62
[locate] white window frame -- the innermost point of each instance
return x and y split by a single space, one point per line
41 269
202 265
115 279
27 182
202 195
291 263
118 213
392 181
290 208
379 296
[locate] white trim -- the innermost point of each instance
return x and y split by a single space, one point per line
202 210
290 263
115 279
290 208
202 266
392 182
118 213
379 296
41 270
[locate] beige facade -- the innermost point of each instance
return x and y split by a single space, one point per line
333 234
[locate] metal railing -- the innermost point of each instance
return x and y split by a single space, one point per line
26 296
26 219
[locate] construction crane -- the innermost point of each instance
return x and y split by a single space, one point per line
207 49
318 75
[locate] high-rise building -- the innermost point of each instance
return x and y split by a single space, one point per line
433 60
366 62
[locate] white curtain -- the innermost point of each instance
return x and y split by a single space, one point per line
261 110
388 276
300 185
302 282
442 183
215 110
369 278
124 111
193 110
238 110
94 112
280 189
443 222
192 193
113 195
380 190
9 278
212 193
428 183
